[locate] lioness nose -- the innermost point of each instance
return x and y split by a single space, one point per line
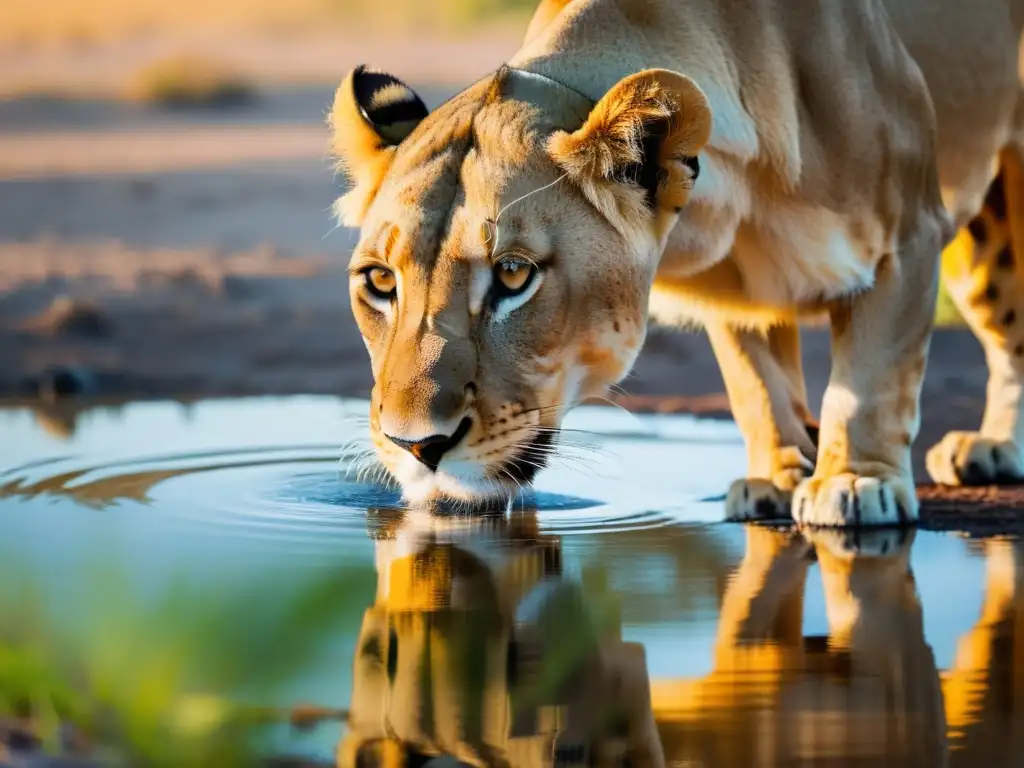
430 450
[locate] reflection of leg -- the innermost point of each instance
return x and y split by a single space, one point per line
598 684
370 694
764 599
986 680
764 379
740 713
868 585
984 275
893 706
465 669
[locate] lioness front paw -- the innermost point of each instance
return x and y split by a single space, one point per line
755 498
969 458
850 500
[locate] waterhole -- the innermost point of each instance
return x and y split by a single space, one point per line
234 547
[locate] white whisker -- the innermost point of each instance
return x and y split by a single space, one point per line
493 234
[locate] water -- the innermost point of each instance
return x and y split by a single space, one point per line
189 559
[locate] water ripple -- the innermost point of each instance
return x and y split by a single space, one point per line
285 490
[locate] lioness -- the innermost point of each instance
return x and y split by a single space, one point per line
740 164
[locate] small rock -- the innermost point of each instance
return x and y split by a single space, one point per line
60 382
74 317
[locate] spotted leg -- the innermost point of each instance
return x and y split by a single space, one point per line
983 276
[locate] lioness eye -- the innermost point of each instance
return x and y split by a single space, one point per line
513 276
380 282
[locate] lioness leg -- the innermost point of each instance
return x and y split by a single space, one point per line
764 380
984 279
870 413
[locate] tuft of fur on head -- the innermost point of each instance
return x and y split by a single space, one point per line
653 122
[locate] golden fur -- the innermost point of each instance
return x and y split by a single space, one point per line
839 147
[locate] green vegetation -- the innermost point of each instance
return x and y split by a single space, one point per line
190 81
945 311
174 680
450 14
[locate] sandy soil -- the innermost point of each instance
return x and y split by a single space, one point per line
153 252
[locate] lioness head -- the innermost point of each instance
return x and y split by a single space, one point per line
508 245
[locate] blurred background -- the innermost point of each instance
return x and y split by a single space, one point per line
165 185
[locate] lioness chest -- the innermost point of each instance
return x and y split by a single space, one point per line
770 252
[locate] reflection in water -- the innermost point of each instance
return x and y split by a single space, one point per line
485 639
981 688
482 648
58 419
867 693
100 486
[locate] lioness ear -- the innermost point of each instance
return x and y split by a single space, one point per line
372 113
636 155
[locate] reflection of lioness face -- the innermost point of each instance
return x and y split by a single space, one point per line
483 329
480 651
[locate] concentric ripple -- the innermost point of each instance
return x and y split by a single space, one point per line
633 475
267 491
